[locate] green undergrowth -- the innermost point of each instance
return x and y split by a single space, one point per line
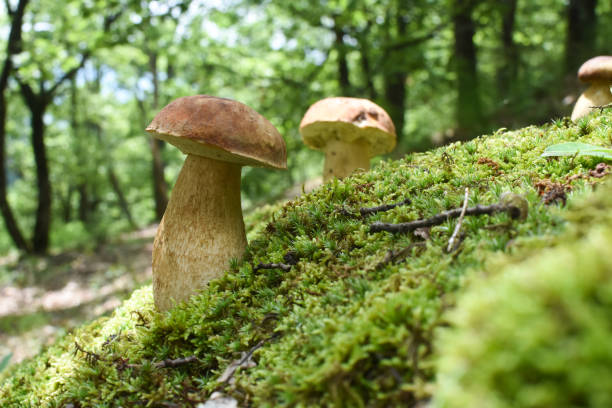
353 322
536 334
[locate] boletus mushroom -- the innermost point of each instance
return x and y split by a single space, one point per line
350 131
597 72
202 228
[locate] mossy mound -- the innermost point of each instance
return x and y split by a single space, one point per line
352 323
538 333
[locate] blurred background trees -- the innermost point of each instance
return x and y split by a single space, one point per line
80 80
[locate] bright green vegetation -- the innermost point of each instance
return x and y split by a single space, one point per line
345 326
537 334
454 68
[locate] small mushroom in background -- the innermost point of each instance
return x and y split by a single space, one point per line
202 228
597 72
349 131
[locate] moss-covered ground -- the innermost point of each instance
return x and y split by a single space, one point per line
535 333
354 321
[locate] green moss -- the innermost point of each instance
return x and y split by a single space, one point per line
343 326
537 334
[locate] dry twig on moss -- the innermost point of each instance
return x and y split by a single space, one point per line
514 211
385 207
91 357
167 363
281 266
451 241
367 211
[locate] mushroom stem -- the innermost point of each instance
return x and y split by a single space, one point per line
598 94
202 229
342 158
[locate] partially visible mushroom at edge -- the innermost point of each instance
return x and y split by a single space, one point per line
350 131
202 228
598 72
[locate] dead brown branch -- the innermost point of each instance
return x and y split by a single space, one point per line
438 219
280 266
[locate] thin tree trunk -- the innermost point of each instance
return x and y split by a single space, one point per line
38 106
395 81
343 71
366 66
581 33
468 110
367 72
160 187
38 103
82 188
13 47
507 72
123 204
112 177
67 205
83 202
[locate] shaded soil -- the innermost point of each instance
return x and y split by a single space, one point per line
42 298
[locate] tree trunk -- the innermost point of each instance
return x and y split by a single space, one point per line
112 177
123 204
507 72
395 81
83 202
67 205
40 240
581 33
13 47
469 111
343 72
366 66
160 187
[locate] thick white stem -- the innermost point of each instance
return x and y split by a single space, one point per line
342 158
201 231
598 94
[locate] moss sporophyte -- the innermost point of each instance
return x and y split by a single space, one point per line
355 320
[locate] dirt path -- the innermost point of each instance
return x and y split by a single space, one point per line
50 295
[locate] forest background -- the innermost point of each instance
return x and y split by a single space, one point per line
80 80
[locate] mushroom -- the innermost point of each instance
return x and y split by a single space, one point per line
597 72
349 131
202 228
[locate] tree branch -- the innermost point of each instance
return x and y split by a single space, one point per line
438 219
68 74
409 42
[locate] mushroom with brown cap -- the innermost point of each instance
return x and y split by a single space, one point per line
597 72
202 228
349 131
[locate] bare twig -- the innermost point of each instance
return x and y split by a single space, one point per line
281 266
167 363
451 241
245 361
366 211
91 357
385 207
291 257
142 321
602 107
396 256
438 219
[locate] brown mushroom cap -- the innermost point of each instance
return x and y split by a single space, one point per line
350 120
596 69
220 129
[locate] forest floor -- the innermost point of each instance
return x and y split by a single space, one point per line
42 298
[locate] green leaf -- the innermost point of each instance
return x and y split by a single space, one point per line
5 361
576 148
